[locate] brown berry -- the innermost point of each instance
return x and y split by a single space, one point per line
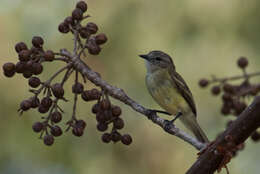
35 102
92 27
215 90
106 137
108 115
226 97
82 5
118 123
94 49
25 105
77 88
115 136
34 82
84 33
9 74
48 140
77 131
102 127
116 111
37 41
80 124
20 67
95 108
255 136
225 110
56 131
105 104
64 27
77 14
228 88
43 109
20 46
27 74
37 68
203 83
100 117
9 67
242 62
46 102
101 38
24 55
57 90
69 21
37 127
56 117
48 55
126 139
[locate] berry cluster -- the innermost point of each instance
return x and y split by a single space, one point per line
234 96
30 64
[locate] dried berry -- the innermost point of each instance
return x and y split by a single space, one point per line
24 55
101 38
95 108
118 123
84 33
77 88
82 5
57 90
56 117
35 102
20 67
107 114
49 55
37 127
77 14
80 124
105 104
115 136
242 62
9 67
92 27
106 137
37 41
20 46
93 49
126 139
77 131
9 74
46 102
48 140
100 117
203 82
56 131
68 21
102 127
89 95
25 105
116 111
228 88
27 74
64 27
34 82
215 90
43 109
226 97
37 68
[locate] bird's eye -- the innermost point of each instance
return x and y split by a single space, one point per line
158 58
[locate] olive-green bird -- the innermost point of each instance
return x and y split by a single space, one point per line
171 92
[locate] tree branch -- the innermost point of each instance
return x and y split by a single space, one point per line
236 133
120 95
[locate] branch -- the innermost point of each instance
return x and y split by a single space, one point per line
236 133
120 95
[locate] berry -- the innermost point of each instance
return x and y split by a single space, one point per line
242 62
126 139
56 131
24 55
105 104
84 33
42 109
94 49
77 131
37 68
9 74
92 27
46 102
102 127
20 46
77 88
82 5
25 105
115 136
80 124
118 123
203 83
27 74
35 102
64 27
56 117
101 38
37 127
20 67
77 14
48 140
57 90
100 117
225 110
34 82
95 108
9 67
106 137
69 21
255 136
49 55
226 97
228 88
37 41
116 111
215 90
89 95
108 115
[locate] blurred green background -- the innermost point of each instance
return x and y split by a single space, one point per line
204 38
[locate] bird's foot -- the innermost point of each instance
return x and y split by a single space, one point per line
152 112
169 124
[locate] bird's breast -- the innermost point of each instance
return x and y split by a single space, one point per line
165 92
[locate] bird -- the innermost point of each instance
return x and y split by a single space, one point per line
171 92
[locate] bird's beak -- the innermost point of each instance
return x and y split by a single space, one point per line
144 56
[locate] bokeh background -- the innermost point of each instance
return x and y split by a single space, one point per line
204 38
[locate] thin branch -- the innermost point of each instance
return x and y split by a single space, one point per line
212 159
249 75
120 95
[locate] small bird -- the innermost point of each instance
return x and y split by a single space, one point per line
171 92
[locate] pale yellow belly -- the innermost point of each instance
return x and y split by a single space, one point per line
166 94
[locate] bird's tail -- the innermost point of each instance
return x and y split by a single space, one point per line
191 123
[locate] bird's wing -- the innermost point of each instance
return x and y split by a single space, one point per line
184 90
